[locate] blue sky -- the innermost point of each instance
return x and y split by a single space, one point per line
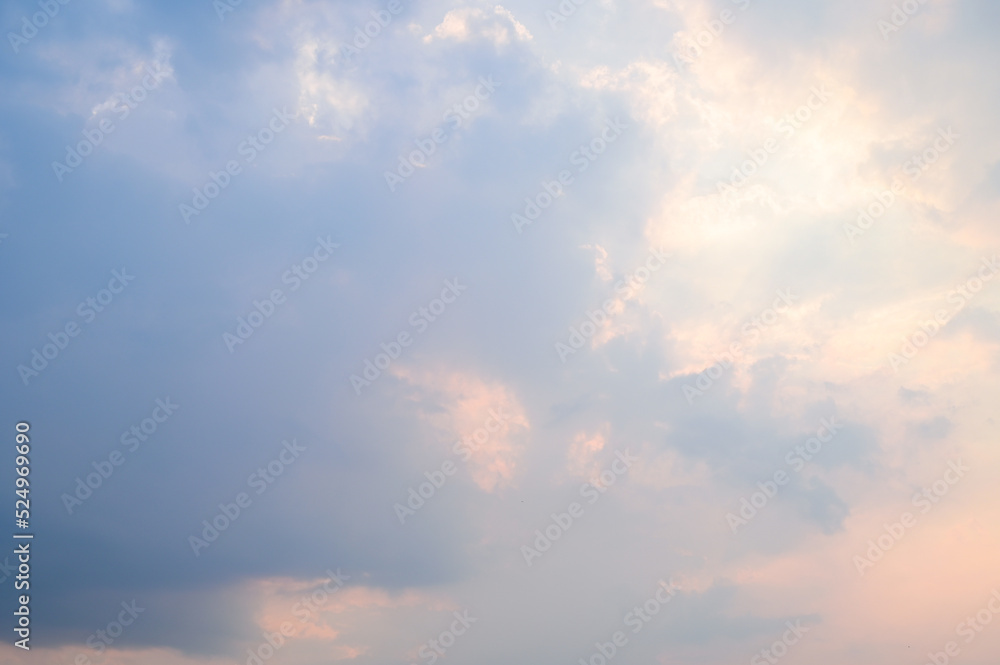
766 230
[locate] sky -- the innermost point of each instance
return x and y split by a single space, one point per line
415 332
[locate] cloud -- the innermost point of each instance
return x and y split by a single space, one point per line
471 23
751 160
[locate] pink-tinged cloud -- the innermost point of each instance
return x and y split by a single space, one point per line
463 407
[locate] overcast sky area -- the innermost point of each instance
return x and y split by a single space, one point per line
417 332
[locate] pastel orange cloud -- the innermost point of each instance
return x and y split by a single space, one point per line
462 406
